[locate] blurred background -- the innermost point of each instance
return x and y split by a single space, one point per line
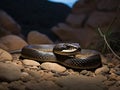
63 21
70 3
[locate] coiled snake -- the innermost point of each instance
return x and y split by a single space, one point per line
68 54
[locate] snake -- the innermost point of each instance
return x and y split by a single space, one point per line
67 54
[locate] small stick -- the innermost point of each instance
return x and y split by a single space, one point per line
104 37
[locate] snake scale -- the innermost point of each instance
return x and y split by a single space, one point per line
68 54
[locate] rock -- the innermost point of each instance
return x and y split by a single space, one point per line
108 5
111 65
8 23
4 32
117 83
34 37
114 88
30 62
43 85
112 77
3 46
23 13
118 78
17 85
117 72
13 42
75 20
4 55
84 6
25 77
109 83
87 73
53 67
104 60
24 74
9 72
84 72
100 78
100 19
80 82
102 70
70 34
34 74
3 87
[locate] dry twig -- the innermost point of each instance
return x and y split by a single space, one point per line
104 37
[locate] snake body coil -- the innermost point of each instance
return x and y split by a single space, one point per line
67 54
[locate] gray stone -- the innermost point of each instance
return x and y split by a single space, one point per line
9 72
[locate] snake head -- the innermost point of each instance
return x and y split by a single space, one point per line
67 49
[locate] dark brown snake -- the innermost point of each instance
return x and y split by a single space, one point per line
68 54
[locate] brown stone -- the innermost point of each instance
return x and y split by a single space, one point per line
3 46
9 72
35 37
4 32
108 4
100 19
4 55
29 62
13 42
114 88
52 67
84 36
75 20
84 6
8 23
102 70
80 82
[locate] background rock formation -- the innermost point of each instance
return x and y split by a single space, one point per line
87 15
38 15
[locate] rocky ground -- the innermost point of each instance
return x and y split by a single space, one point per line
17 74
79 26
